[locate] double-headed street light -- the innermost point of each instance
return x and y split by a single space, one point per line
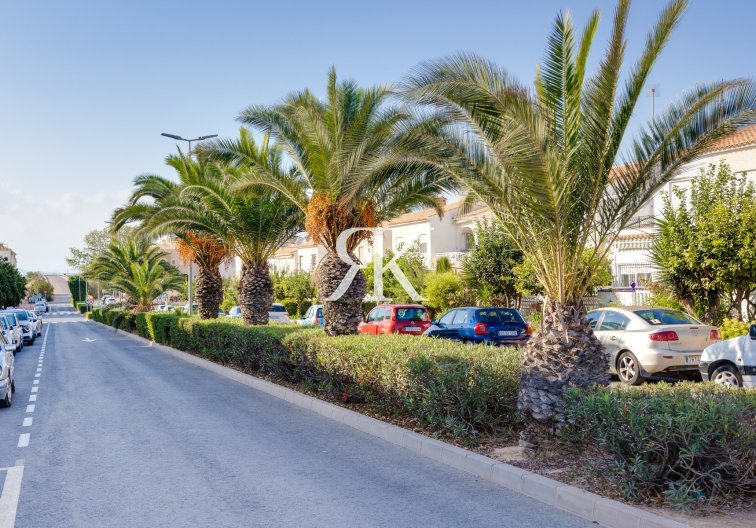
189 153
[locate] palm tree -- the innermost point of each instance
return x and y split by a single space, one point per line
137 268
194 246
252 223
544 159
351 167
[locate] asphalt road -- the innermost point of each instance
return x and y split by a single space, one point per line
122 435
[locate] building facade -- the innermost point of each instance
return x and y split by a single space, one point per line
8 254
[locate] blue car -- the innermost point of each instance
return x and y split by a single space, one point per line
491 326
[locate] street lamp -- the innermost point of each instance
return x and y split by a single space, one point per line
189 153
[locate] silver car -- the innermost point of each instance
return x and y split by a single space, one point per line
645 341
36 322
7 372
16 331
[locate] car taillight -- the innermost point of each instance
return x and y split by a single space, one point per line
481 329
714 335
664 335
528 328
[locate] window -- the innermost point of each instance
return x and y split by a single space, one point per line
460 318
499 316
614 321
469 240
593 318
313 261
447 319
373 315
411 314
301 262
666 317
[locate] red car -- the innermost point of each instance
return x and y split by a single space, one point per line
396 319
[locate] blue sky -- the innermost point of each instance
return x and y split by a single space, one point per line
86 88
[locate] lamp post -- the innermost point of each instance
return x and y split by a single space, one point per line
189 154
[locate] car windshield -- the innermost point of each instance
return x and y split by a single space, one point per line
411 314
3 323
11 319
662 316
22 316
499 316
278 308
320 313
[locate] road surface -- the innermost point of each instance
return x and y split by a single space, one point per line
105 431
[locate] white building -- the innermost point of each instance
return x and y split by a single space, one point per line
168 245
8 253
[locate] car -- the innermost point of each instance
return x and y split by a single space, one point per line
278 313
36 322
108 300
9 332
313 316
410 319
490 325
41 307
647 341
29 332
234 312
195 308
731 362
7 372
164 308
16 330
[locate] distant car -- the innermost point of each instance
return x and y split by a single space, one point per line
164 308
731 362
36 322
29 332
195 308
234 312
10 333
16 330
396 319
313 316
491 326
644 341
278 313
7 372
41 307
108 300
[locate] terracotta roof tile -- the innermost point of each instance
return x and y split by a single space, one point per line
740 138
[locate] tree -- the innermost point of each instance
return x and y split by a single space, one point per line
95 243
706 246
12 284
412 264
543 160
137 268
36 283
354 164
194 246
77 285
441 290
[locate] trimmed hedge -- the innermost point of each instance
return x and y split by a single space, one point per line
685 444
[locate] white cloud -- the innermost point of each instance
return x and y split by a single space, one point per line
40 228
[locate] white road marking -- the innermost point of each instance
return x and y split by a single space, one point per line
35 389
30 408
33 397
37 375
10 495
36 382
23 440
27 421
39 370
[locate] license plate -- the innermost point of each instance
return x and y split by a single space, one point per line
508 333
411 328
692 359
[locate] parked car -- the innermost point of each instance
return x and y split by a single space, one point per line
234 312
108 300
313 316
16 330
10 334
195 308
7 372
164 308
29 333
731 362
36 322
396 319
278 313
41 307
491 326
644 341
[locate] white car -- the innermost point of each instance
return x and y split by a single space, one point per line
7 373
646 341
41 307
731 362
36 322
16 331
278 313
9 333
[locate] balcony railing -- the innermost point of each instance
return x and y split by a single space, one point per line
456 258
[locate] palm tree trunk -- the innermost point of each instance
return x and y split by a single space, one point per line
209 292
565 353
255 294
341 316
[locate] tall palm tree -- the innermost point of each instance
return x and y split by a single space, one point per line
252 223
352 166
137 268
194 246
543 160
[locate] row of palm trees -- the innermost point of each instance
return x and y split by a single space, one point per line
542 158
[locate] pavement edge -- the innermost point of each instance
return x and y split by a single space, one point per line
578 502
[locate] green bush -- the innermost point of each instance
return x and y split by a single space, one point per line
440 289
684 444
734 328
81 307
293 309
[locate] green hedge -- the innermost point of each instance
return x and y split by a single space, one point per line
684 444
82 307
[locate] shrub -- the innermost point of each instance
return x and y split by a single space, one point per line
684 444
81 307
293 306
443 265
440 289
734 328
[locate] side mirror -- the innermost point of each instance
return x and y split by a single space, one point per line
752 332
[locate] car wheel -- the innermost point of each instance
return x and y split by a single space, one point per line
727 375
8 400
628 369
13 386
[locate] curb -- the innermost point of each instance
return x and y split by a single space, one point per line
606 512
